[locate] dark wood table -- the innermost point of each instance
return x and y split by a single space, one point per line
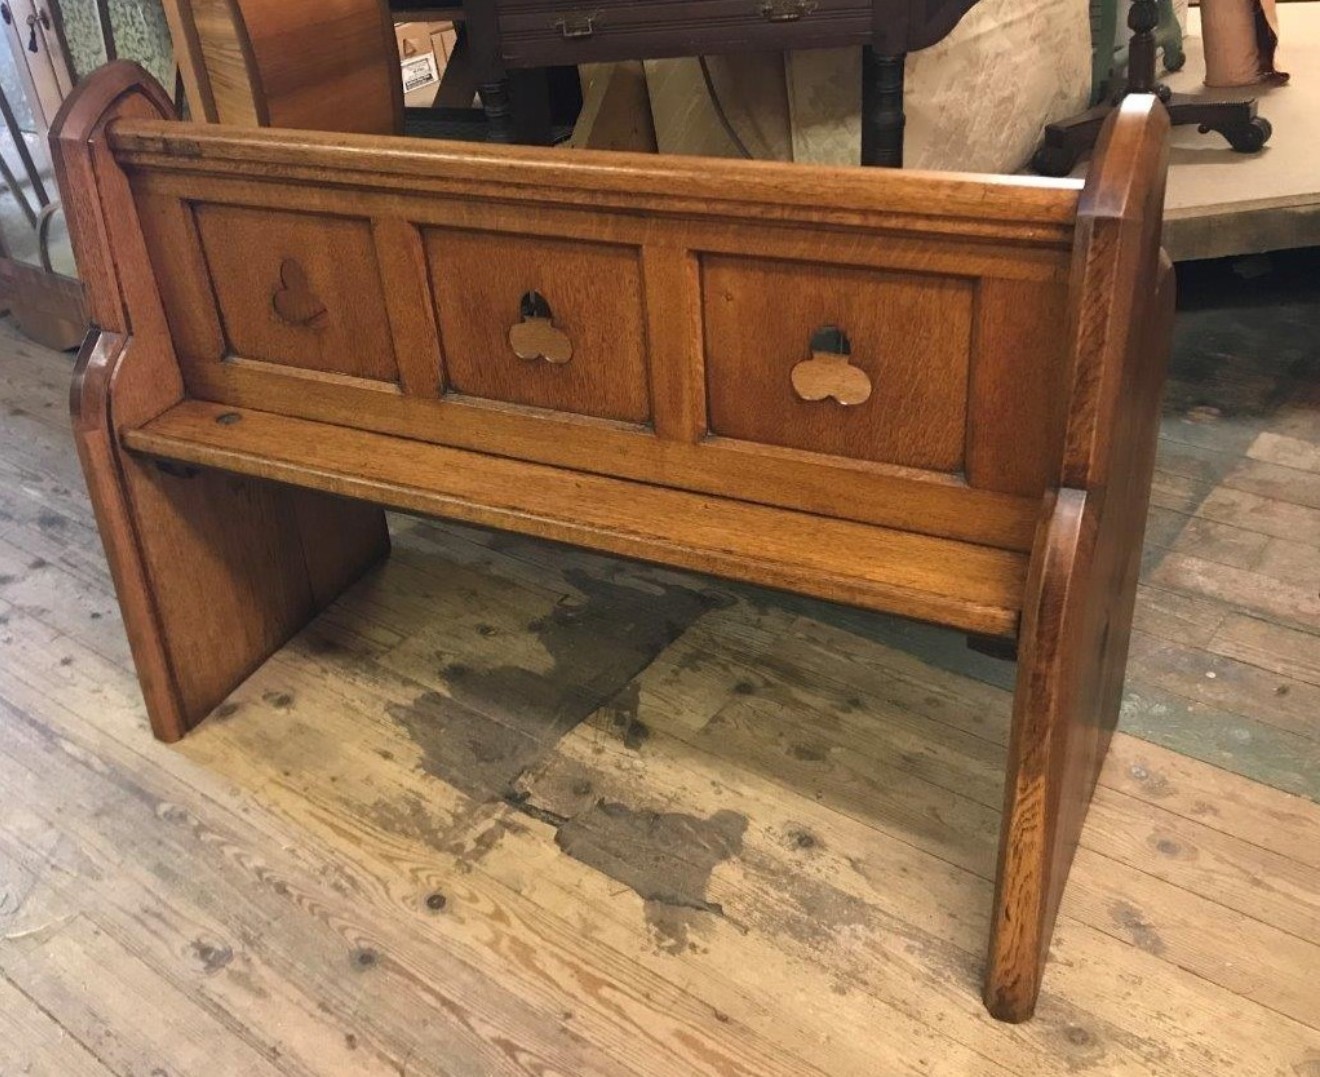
512 38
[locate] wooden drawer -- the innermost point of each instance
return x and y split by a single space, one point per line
536 33
595 354
899 397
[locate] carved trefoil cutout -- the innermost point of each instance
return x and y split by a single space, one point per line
295 303
536 336
829 373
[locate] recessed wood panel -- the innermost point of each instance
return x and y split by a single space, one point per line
910 337
593 292
300 290
170 235
1018 386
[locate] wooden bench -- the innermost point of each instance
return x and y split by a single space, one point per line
931 395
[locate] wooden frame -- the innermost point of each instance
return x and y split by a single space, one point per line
248 405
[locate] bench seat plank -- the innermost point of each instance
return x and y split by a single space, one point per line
975 588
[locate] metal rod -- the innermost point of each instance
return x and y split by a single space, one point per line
25 155
16 189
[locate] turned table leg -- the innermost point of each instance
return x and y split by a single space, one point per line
496 104
882 109
519 107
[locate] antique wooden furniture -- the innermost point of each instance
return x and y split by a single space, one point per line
512 37
35 34
932 395
327 65
47 306
315 65
1066 141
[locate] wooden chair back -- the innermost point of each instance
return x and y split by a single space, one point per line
319 65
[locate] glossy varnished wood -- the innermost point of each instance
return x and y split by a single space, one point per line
1018 371
609 350
697 290
975 588
327 65
1082 588
911 337
865 753
594 291
295 290
869 492
214 570
1031 211
545 32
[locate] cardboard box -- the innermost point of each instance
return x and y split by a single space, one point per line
424 50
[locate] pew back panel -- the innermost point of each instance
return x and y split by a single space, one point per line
687 300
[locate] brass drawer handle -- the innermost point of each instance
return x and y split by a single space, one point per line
536 336
828 373
575 26
786 10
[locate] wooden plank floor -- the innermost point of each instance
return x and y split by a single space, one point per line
509 808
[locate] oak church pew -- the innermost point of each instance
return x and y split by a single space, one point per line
931 395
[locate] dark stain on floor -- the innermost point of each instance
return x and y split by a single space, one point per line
213 956
624 709
1135 926
818 914
496 723
409 816
474 850
665 857
1153 783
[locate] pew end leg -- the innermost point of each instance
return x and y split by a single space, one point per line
1073 646
1075 631
213 572
1044 750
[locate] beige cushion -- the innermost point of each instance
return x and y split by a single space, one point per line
975 102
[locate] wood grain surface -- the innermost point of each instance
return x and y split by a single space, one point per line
911 336
298 291
1081 593
324 66
698 292
975 587
595 294
224 561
